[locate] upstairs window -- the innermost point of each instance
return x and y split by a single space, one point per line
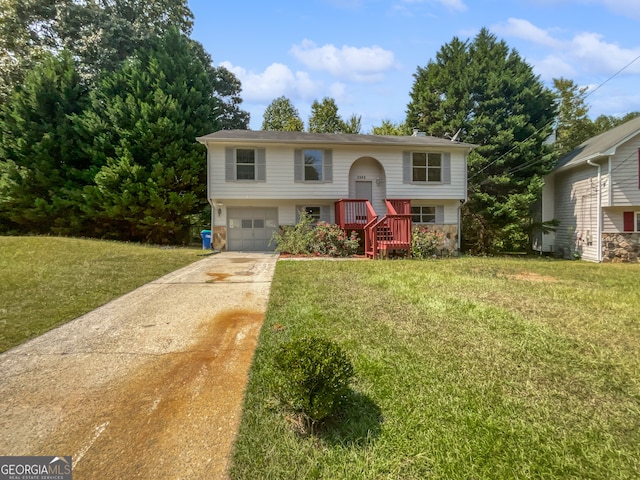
426 167
245 164
313 165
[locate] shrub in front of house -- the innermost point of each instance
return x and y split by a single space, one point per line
425 243
307 238
331 240
315 376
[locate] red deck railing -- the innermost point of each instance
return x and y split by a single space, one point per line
381 235
354 214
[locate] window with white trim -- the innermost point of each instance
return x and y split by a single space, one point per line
423 214
426 167
245 164
313 165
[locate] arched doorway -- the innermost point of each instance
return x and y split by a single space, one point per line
367 180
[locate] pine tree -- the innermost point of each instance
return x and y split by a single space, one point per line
41 161
144 121
487 91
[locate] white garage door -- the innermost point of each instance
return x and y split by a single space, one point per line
251 229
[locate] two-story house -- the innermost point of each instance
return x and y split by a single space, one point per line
594 192
258 181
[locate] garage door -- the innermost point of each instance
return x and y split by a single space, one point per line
251 229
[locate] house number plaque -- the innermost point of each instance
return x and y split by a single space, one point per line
361 177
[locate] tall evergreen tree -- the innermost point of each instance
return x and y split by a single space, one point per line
144 120
573 125
491 95
41 160
282 116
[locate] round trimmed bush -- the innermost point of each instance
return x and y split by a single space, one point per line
315 375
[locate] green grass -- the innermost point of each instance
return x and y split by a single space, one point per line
467 368
47 281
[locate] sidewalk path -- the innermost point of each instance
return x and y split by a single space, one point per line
149 385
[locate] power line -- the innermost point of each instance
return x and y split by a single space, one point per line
516 169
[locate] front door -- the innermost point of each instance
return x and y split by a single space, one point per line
364 190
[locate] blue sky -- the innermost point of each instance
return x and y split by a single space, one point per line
363 53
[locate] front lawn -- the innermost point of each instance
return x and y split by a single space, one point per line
47 281
465 368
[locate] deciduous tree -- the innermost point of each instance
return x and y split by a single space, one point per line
282 116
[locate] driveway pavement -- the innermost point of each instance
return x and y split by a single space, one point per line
149 385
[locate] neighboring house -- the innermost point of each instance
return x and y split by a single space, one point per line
258 181
594 192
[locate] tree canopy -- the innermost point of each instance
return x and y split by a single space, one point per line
491 95
98 139
282 116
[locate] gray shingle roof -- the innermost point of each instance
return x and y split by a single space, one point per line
260 136
601 145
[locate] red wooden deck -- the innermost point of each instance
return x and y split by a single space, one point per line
383 235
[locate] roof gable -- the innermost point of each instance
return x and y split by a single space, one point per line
262 136
601 145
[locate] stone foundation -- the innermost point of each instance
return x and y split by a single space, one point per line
620 247
450 234
219 238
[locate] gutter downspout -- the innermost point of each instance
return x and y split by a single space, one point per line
599 210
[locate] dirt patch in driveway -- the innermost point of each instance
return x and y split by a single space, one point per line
174 416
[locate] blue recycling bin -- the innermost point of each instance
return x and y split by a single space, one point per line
206 239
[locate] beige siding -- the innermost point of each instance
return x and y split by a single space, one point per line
576 209
450 209
280 182
624 174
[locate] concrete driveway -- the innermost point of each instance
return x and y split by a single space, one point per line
149 385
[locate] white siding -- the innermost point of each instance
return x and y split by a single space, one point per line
450 209
576 209
280 182
613 219
624 174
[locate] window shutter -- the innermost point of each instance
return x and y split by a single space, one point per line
446 168
298 167
230 165
440 214
629 221
325 213
261 165
328 166
406 167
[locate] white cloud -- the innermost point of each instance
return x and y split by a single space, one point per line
553 67
626 8
366 64
276 80
456 5
598 56
586 52
519 28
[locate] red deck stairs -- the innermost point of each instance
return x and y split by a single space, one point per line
390 234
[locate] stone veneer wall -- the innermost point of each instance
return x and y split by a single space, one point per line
620 247
450 234
219 238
